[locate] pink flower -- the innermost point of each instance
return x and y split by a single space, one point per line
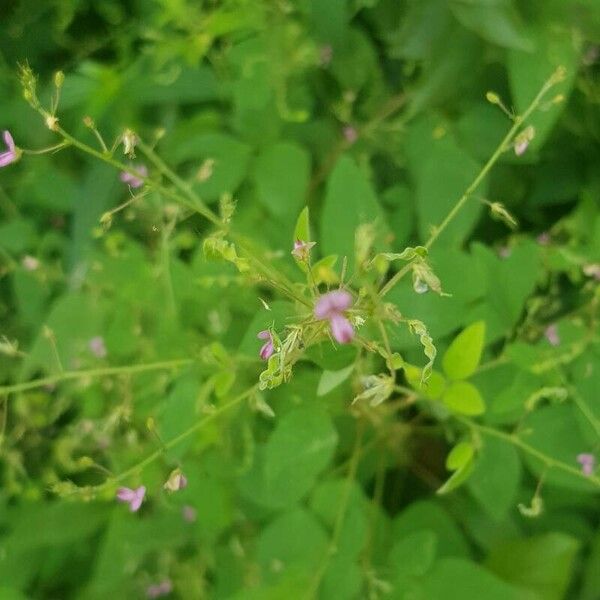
189 513
331 307
587 462
132 180
268 349
302 249
520 147
12 154
552 335
157 590
133 497
97 347
350 134
543 239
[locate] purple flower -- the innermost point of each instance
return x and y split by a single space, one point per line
268 349
189 513
331 307
12 154
177 481
133 497
302 249
587 462
350 134
97 347
552 335
132 180
157 590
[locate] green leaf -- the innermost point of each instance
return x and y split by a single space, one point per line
542 563
464 353
463 397
285 470
528 71
350 201
281 174
295 539
413 554
427 514
302 229
499 23
460 460
496 477
441 171
331 379
458 579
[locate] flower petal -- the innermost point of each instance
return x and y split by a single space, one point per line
341 329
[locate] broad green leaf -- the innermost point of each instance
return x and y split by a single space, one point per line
495 479
414 554
331 379
543 563
459 579
464 398
281 174
427 514
499 23
294 539
441 172
350 201
464 353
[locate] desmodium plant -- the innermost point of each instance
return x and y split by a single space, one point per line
341 312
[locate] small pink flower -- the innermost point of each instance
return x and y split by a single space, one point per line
189 513
331 307
158 590
132 180
350 134
97 347
176 481
551 334
543 239
587 462
12 154
302 249
30 263
268 349
133 497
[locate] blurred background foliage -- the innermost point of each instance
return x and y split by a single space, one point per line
368 111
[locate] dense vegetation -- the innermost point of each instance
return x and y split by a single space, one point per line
299 299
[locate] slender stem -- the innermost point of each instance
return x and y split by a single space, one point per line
54 148
93 373
179 184
341 515
138 467
518 123
551 463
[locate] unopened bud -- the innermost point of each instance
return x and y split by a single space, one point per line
59 78
492 98
89 122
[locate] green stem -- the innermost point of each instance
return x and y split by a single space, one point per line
138 467
93 373
518 123
340 516
548 461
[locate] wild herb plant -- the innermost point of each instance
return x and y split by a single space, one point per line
264 459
